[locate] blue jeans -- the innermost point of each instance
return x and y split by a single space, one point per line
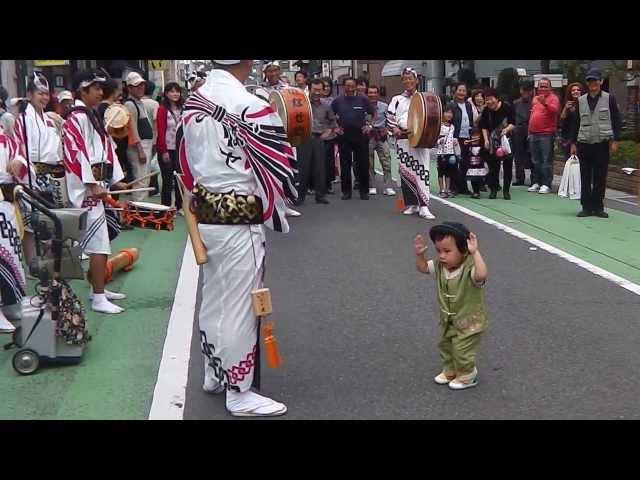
542 157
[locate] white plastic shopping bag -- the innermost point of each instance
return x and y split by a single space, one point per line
506 146
570 182
154 166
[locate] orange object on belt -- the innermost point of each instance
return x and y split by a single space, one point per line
122 261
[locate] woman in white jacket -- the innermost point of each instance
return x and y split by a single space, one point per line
39 143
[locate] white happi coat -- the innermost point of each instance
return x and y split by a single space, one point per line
413 163
84 146
232 140
41 141
12 281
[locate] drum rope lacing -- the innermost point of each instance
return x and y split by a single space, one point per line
131 213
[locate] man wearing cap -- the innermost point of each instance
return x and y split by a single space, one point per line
239 166
92 166
140 149
65 102
598 126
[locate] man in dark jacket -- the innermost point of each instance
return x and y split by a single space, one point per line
521 153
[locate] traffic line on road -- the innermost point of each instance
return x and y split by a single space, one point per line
612 277
170 391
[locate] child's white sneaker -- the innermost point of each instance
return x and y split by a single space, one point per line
464 381
443 378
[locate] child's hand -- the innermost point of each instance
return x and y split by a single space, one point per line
420 245
472 243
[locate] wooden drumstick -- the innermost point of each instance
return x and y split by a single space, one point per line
131 190
199 249
141 179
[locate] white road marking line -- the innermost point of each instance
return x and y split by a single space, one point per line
612 277
170 391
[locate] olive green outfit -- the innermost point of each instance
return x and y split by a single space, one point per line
463 316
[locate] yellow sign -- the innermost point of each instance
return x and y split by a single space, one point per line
158 65
50 63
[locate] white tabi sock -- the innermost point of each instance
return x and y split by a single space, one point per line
252 402
110 295
102 305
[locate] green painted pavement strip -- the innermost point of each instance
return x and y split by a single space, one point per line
117 374
611 244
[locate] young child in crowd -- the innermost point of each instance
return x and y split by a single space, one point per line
477 171
460 273
446 153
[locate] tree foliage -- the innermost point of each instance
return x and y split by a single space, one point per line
508 84
468 77
575 70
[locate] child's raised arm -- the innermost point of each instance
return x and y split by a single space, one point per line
420 246
480 272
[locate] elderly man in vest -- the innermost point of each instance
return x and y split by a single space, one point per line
597 135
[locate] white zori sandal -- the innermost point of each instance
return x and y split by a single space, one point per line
250 404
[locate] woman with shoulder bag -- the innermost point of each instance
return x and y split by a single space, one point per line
169 114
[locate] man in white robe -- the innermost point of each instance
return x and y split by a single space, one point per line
92 167
232 142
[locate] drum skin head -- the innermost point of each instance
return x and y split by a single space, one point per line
116 118
425 118
277 103
417 119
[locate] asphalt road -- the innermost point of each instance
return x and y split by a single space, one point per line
357 327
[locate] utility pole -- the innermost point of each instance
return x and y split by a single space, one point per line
436 71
